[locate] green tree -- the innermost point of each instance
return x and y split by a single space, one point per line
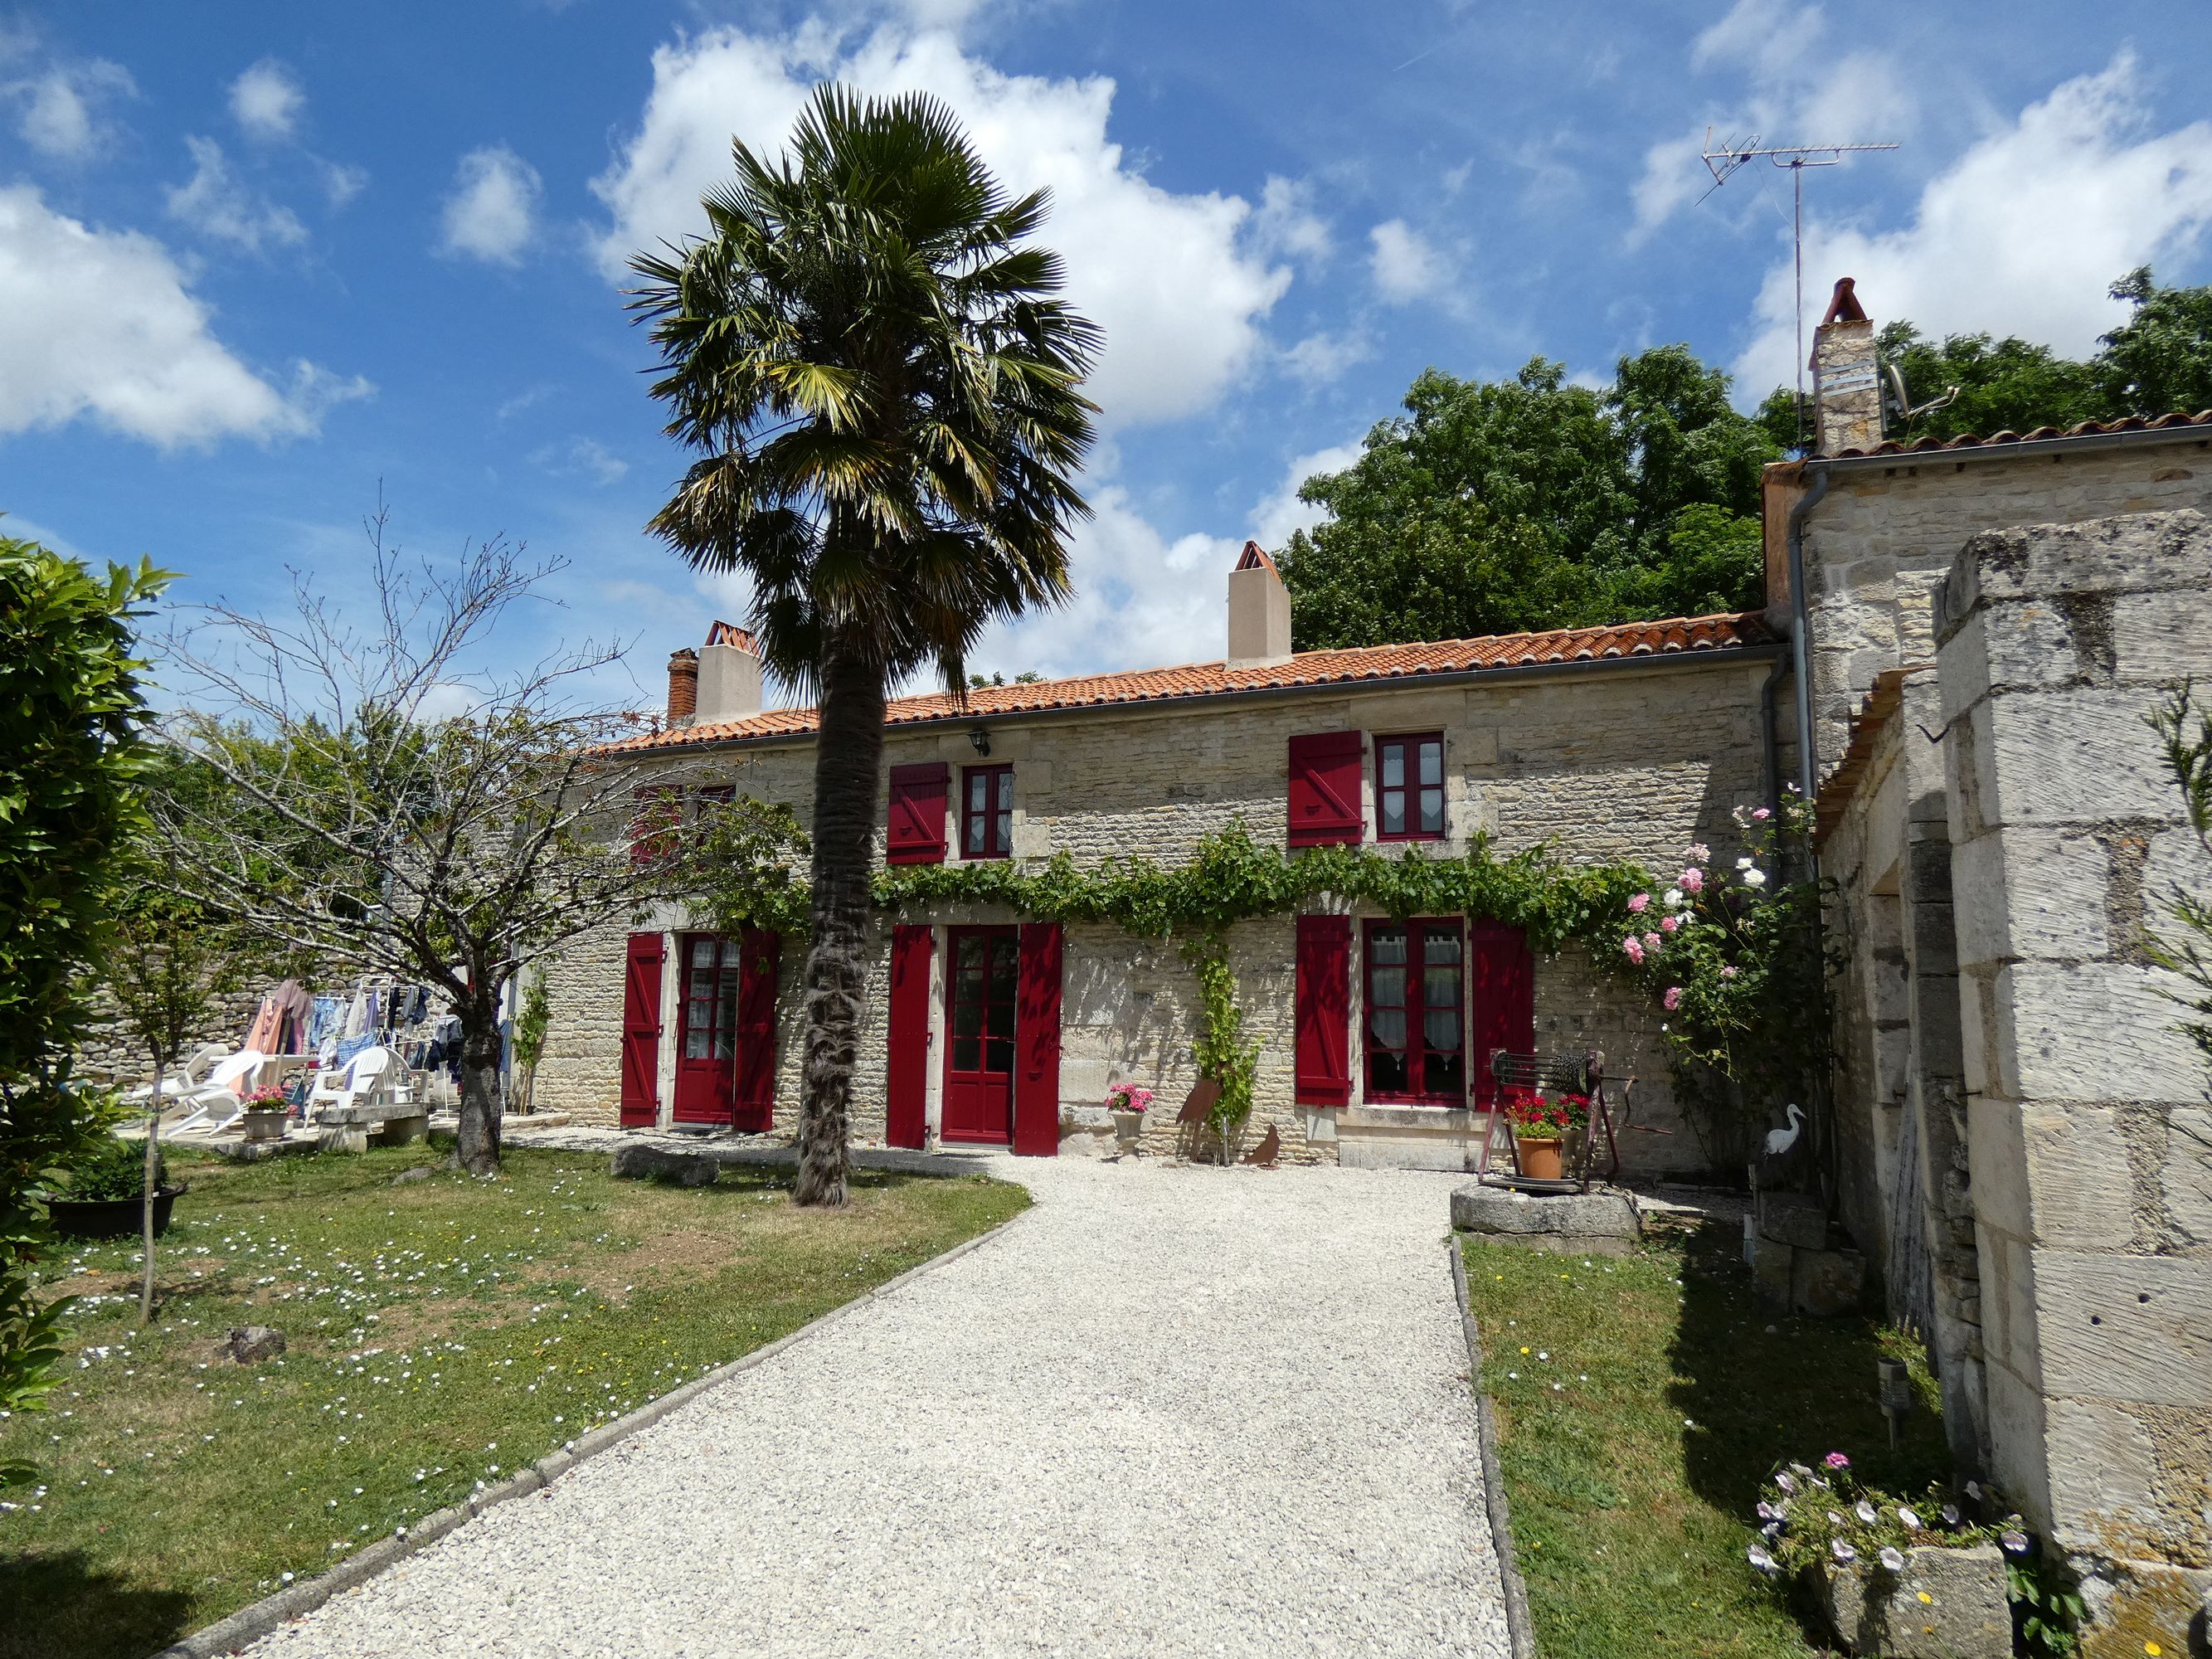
72 723
1493 506
865 354
2160 359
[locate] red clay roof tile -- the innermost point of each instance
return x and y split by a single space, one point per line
1676 636
2085 428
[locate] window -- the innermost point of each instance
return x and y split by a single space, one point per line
710 998
1409 787
986 812
1415 1020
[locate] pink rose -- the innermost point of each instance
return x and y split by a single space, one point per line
1638 904
1634 949
1668 924
1761 816
1699 852
1693 880
1728 973
1837 1461
1652 941
1674 1000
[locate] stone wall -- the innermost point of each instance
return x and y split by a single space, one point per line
1614 762
2088 1137
1879 544
109 1054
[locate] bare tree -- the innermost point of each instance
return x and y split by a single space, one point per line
376 800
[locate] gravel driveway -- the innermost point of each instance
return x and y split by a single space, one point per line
1168 1411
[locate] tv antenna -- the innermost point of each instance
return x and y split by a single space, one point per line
1723 163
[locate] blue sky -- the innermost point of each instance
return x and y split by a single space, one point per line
256 258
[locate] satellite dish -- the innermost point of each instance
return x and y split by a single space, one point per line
1897 404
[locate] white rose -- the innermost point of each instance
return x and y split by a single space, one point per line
1755 878
1673 898
1743 864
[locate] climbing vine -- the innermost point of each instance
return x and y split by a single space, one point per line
1218 1047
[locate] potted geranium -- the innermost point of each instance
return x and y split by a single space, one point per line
1128 1102
1542 1127
266 1110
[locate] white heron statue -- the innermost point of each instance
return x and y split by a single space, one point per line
1779 1141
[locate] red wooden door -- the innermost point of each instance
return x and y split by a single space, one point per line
905 1075
762 949
1036 1025
707 1044
983 970
1504 997
640 1050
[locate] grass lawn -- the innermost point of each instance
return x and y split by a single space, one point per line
1640 1404
441 1332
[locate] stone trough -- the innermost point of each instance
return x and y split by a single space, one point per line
1602 1222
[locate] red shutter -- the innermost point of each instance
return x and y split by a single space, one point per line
1324 789
915 826
1037 1041
641 1049
759 951
1322 1011
1502 992
905 1071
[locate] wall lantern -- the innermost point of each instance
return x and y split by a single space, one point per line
982 739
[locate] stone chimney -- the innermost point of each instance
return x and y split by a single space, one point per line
1259 611
682 687
1846 385
729 676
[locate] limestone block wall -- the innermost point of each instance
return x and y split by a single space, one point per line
109 1054
1634 762
1878 546
2089 1140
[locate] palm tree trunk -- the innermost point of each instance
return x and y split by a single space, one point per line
845 762
476 1143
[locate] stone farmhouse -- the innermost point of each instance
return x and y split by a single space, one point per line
1961 642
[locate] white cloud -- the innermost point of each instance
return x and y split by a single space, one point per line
1283 513
216 203
1796 94
2021 234
100 325
1285 222
266 100
491 214
1406 264
1321 356
61 109
1162 273
584 455
342 181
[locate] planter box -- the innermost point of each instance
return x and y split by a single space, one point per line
110 1218
1946 1604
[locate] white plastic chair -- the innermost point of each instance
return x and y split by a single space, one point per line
366 1080
181 1079
221 1101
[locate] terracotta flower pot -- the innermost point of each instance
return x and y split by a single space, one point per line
1540 1159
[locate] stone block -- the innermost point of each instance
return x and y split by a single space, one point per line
1966 1614
2125 1328
2029 893
2155 638
2184 1176
1796 1218
2113 553
657 1164
2103 1473
2133 1604
2082 757
1770 1268
2095 1030
250 1344
1826 1284
2055 1176
1605 1222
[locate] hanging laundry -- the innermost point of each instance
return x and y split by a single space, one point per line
356 1020
266 1035
323 1020
295 1004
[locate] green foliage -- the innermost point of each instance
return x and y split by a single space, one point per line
1736 959
111 1169
2160 359
1218 1047
872 365
2046 1608
71 718
746 867
2184 733
1495 507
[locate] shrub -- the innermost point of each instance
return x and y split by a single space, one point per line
110 1170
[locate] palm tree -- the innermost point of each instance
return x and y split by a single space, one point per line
883 393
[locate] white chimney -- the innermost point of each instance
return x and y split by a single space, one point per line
1259 611
729 677
1846 385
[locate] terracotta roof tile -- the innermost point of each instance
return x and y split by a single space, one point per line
2086 428
1678 636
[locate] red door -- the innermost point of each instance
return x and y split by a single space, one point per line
707 1046
983 969
640 1052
